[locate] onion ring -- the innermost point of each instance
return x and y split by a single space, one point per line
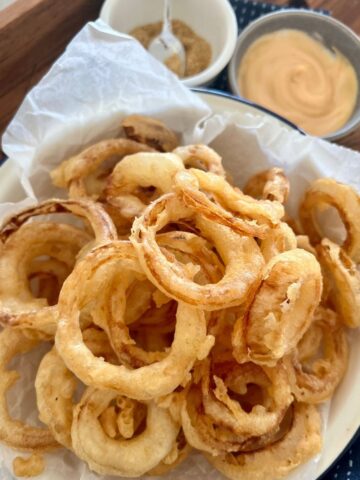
202 158
321 378
282 309
206 435
346 201
140 170
270 184
18 307
15 433
100 222
224 410
150 131
242 213
345 281
298 445
279 239
72 173
241 256
128 458
144 383
55 387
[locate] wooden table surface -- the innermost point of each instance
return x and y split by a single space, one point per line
33 33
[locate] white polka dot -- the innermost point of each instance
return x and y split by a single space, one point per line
243 11
335 475
348 473
351 463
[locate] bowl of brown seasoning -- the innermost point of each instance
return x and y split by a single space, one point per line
206 28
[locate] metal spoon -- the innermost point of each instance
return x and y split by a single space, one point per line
166 45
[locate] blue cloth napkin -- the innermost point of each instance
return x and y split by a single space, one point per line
348 466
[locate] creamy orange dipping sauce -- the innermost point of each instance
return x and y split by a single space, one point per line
294 75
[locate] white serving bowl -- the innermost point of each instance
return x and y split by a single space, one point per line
213 20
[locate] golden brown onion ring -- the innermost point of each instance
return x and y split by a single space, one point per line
18 306
299 444
140 170
315 382
100 222
128 458
55 386
263 417
279 239
282 309
191 248
72 173
241 256
206 435
243 214
326 191
80 289
15 433
270 184
344 281
180 452
150 131
201 157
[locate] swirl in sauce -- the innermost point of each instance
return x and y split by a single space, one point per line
294 75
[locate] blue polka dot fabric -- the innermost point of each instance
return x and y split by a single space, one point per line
348 466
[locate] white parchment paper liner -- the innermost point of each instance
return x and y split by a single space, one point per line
102 77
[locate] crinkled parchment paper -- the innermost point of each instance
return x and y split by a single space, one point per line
103 76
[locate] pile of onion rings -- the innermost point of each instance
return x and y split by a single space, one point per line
182 313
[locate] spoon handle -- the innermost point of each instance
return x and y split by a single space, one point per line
167 17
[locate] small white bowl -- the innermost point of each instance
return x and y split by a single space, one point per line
213 20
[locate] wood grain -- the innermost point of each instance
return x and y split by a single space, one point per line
33 33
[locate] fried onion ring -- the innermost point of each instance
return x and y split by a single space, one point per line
128 458
140 170
282 309
55 386
15 433
241 256
298 445
344 281
270 184
150 131
144 383
226 411
318 381
100 222
202 158
279 239
72 173
326 191
242 213
18 306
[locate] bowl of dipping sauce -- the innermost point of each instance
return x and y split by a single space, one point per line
207 29
304 66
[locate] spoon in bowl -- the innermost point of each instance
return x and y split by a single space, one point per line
166 47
